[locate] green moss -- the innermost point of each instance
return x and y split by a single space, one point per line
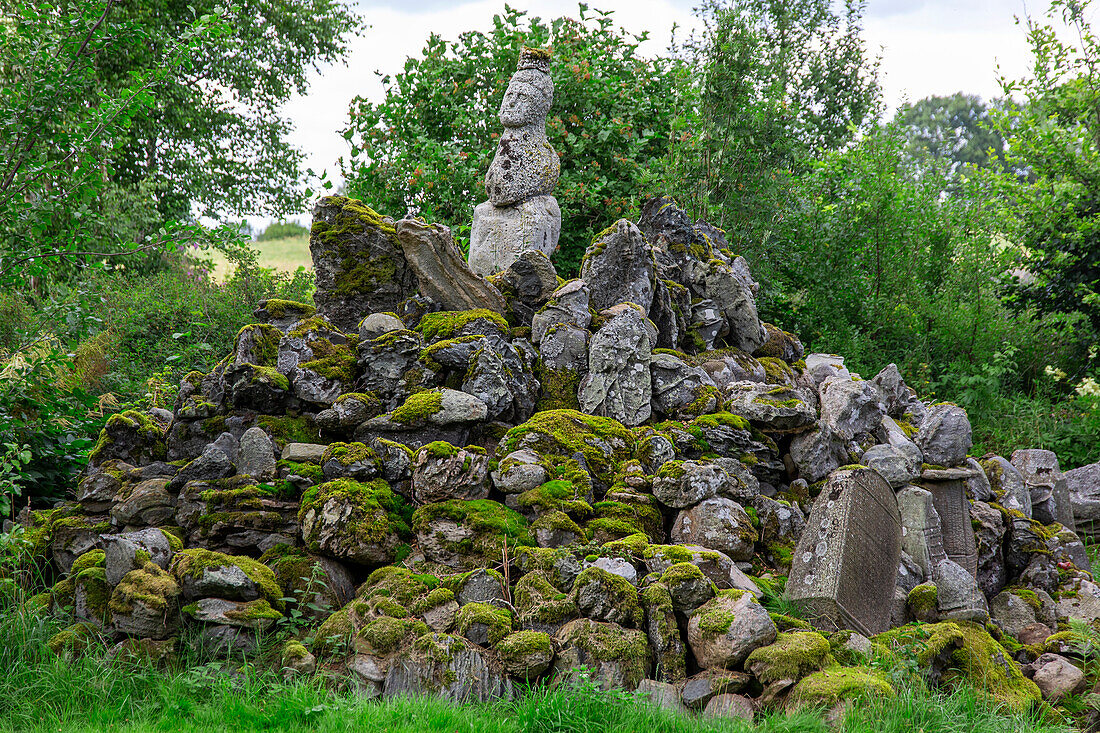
440 449
293 651
488 519
435 598
787 623
147 429
149 585
385 634
256 610
498 621
555 495
601 441
193 563
634 545
72 640
621 592
620 519
309 471
90 559
970 657
448 324
286 429
418 407
401 584
97 592
347 454
833 685
611 643
335 362
793 656
559 388
540 602
923 599
721 420
516 649
278 308
377 513
334 633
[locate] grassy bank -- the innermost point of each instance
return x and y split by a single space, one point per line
282 255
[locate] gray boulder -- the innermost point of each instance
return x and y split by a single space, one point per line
1050 498
945 436
958 597
772 408
1084 495
618 383
717 524
850 407
569 304
440 471
441 269
725 630
619 267
256 457
677 385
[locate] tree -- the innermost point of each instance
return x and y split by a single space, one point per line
428 144
214 138
956 128
772 84
1051 210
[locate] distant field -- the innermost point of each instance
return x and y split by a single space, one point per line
281 254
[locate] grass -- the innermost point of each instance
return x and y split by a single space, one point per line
284 255
41 692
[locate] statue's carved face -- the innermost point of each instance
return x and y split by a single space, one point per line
526 101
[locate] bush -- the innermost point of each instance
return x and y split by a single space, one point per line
282 230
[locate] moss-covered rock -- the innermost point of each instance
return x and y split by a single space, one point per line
617 657
663 631
207 574
526 654
793 656
964 653
836 684
603 442
350 460
454 324
540 605
361 522
385 635
604 596
726 629
316 585
72 641
132 437
146 603
483 624
468 534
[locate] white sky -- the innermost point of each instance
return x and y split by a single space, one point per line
927 47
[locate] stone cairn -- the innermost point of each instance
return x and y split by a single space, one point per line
470 482
521 214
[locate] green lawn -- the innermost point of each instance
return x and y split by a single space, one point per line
286 255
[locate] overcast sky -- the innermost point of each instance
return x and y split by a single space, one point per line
927 47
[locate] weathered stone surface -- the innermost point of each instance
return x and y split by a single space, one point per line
770 407
122 552
893 391
731 288
351 521
680 484
958 597
676 386
441 269
568 305
526 654
956 528
359 266
614 656
501 375
892 464
255 615
724 631
441 472
717 566
1050 498
145 504
921 536
662 694
845 564
1011 612
978 487
618 382
619 267
989 532
303 452
448 667
520 214
1007 485
467 534
945 436
1057 677
256 457
728 705
817 453
99 488
850 407
145 603
1083 485
717 524
604 596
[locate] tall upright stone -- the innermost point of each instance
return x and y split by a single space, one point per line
948 489
359 265
846 562
521 214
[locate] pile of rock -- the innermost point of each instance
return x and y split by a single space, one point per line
618 472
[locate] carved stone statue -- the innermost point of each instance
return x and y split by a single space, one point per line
520 213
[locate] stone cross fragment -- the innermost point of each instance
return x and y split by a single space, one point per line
846 563
948 489
521 213
442 272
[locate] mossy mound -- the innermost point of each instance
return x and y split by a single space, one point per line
483 623
193 564
836 684
964 652
793 656
603 442
483 528
362 522
401 585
